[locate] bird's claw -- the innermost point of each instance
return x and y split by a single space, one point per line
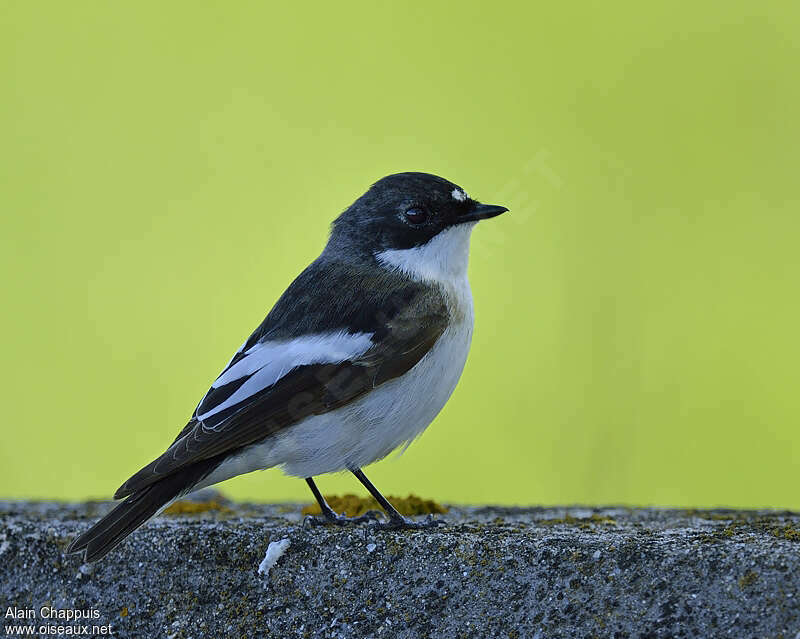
404 523
336 519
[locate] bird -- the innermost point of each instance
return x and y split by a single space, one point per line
354 360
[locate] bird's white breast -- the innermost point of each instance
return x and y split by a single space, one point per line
391 415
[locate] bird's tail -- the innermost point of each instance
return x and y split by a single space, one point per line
112 529
142 504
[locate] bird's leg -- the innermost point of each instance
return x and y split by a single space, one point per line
396 520
330 515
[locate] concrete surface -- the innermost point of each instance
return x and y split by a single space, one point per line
492 572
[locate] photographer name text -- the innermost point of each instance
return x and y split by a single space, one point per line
55 622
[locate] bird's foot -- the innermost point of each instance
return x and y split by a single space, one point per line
398 522
333 518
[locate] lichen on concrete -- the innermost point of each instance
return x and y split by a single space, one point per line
491 572
354 505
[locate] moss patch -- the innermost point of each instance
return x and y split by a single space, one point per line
787 532
748 579
189 507
353 505
753 526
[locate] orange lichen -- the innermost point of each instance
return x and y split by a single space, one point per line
188 507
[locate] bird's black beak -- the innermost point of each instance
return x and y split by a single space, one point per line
481 212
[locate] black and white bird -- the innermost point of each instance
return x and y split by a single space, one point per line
355 359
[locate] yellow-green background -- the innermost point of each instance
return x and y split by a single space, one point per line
166 168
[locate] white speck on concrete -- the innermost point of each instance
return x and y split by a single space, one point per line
274 552
596 554
371 547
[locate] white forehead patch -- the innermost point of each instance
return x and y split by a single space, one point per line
459 195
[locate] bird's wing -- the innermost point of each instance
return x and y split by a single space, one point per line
271 384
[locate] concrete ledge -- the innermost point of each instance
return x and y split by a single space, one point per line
493 572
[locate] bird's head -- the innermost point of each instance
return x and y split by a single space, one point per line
409 216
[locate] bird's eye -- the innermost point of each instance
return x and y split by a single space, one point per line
416 215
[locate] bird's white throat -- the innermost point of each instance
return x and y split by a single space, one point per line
444 258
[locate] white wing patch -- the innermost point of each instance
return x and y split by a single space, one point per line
268 362
459 195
